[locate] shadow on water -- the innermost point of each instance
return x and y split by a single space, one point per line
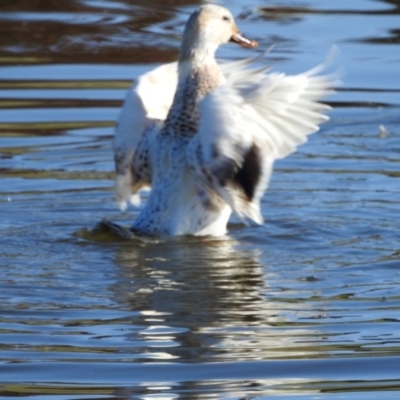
305 305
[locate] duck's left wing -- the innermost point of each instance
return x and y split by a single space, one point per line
246 124
147 102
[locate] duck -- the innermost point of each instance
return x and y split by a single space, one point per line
203 135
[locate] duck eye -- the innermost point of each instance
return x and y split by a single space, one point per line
225 18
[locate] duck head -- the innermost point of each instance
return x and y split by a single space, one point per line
209 27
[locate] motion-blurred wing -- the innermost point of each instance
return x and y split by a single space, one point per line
247 123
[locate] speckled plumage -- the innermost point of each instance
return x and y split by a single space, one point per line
194 84
177 203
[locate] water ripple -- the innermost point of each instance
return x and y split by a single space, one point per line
303 305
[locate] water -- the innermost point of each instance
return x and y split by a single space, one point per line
306 305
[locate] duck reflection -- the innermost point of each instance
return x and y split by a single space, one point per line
199 299
189 287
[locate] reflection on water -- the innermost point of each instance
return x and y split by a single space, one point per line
304 305
188 301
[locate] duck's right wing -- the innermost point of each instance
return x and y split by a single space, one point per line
146 102
248 123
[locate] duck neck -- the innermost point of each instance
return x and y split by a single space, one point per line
197 51
198 75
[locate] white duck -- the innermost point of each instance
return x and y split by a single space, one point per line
204 137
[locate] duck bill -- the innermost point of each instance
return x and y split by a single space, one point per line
243 41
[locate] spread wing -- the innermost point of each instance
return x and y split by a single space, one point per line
147 102
248 123
146 105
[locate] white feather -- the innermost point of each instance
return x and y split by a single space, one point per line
148 100
273 112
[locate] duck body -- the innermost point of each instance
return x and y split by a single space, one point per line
204 137
177 204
